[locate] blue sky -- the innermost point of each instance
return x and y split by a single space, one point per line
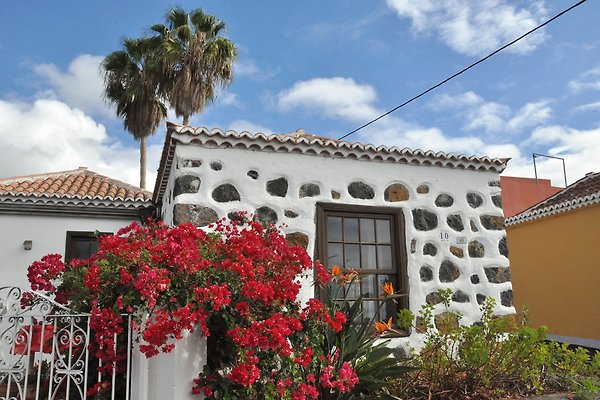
326 67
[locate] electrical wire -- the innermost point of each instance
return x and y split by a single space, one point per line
464 69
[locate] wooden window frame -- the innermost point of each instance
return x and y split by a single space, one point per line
398 239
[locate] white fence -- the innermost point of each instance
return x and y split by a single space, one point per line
45 351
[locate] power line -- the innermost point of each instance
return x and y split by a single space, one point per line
464 69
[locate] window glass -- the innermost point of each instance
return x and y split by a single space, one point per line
356 239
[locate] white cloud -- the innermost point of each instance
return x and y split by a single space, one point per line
81 86
579 148
333 97
474 28
588 107
493 117
588 80
241 125
53 136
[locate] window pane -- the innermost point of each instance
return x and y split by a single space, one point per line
334 229
83 248
353 289
350 229
369 310
388 310
383 231
352 259
367 230
369 286
335 255
384 257
368 256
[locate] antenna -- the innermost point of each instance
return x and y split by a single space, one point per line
546 155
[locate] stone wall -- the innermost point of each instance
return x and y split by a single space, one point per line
453 217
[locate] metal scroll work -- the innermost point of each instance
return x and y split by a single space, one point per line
45 351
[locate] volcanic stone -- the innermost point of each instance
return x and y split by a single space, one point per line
290 214
502 247
480 298
297 239
216 166
396 192
423 189
429 249
185 163
475 279
476 249
186 184
497 274
360 190
426 273
474 200
335 195
448 272
506 298
446 321
278 187
457 251
252 174
460 297
474 226
266 215
433 298
497 200
494 184
424 220
309 190
413 246
225 193
455 222
194 213
492 222
444 200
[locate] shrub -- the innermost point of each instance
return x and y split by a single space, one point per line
495 358
239 286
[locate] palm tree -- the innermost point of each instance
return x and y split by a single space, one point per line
131 78
195 60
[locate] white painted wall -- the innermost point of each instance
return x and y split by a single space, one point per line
335 174
48 234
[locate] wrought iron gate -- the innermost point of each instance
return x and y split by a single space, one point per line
44 351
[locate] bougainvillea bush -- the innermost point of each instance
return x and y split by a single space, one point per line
238 284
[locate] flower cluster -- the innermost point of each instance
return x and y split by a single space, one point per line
238 284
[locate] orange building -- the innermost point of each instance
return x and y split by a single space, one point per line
518 194
555 262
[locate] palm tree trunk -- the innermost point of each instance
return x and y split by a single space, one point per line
186 120
143 162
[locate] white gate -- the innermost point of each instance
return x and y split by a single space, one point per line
45 353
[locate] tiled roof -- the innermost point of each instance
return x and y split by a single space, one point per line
300 142
75 184
584 192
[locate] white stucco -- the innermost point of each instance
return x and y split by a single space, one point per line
48 234
332 173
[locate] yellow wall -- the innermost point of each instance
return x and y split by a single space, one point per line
555 266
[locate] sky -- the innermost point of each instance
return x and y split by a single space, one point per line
326 67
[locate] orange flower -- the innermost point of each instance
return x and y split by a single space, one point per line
336 270
382 327
388 288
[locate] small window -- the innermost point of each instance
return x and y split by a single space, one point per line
81 245
369 240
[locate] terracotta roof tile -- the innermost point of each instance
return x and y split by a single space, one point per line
78 183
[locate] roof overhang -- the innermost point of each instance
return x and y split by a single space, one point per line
309 145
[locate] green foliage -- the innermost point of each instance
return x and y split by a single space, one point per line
494 358
375 364
405 319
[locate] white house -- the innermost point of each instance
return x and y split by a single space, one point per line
60 212
419 219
